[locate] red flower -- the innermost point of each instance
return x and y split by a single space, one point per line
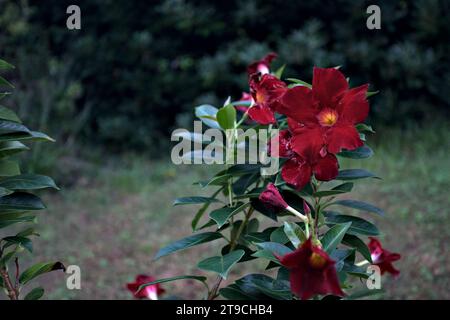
298 169
262 66
247 97
151 292
272 198
311 271
326 113
266 91
383 258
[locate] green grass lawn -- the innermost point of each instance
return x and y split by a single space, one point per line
116 217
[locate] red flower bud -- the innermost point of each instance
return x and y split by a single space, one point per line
272 198
150 292
306 208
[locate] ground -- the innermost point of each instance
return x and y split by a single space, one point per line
114 219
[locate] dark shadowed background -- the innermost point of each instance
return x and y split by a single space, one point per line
112 92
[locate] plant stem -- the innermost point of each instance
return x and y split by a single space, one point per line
12 291
213 293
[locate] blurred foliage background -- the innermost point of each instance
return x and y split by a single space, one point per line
136 69
112 92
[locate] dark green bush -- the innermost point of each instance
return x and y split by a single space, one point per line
131 73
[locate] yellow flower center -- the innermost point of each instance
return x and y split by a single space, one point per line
317 261
260 97
327 117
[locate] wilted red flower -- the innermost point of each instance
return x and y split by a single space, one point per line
298 169
150 292
246 97
272 198
326 113
261 66
383 258
311 271
266 91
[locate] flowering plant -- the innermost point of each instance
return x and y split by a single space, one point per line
316 251
19 204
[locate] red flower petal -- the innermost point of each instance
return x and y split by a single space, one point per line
354 107
265 62
261 114
343 137
297 103
284 145
307 142
296 173
328 85
327 168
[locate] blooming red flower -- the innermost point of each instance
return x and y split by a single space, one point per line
272 198
150 292
312 271
383 258
261 66
298 169
246 97
327 113
266 91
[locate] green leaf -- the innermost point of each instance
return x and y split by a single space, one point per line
279 236
5 65
221 216
275 248
35 294
362 127
9 148
28 182
295 234
333 237
233 292
340 189
360 205
5 192
187 242
354 174
22 241
193 200
280 71
207 114
359 225
12 127
226 117
8 114
4 82
38 269
12 218
221 264
299 82
355 242
9 168
371 93
197 278
363 294
21 201
202 211
359 153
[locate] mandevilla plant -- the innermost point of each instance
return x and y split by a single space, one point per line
18 204
316 250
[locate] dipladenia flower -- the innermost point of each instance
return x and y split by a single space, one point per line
297 171
272 198
312 271
382 257
266 91
261 66
326 114
151 292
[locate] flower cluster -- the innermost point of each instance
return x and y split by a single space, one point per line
321 119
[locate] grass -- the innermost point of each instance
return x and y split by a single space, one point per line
114 219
